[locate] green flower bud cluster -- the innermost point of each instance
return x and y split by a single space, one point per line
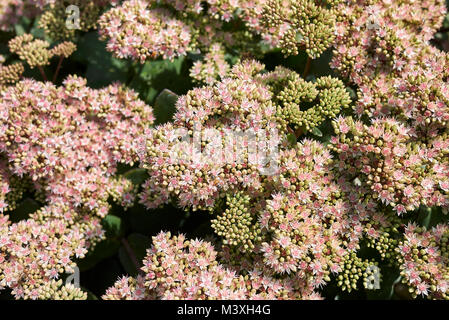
306 105
240 260
64 49
384 240
302 25
443 244
236 224
36 52
54 19
354 269
56 290
10 74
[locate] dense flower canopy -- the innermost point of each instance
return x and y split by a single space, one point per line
300 149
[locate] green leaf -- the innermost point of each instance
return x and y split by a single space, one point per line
113 225
101 251
352 93
165 106
425 216
102 67
22 26
137 176
152 68
317 132
38 32
24 209
299 37
195 56
20 30
291 139
446 20
430 217
439 35
165 74
138 243
321 66
106 248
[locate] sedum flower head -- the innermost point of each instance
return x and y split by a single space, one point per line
300 25
62 144
176 268
54 18
135 31
213 67
36 52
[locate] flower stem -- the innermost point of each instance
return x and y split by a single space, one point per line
307 67
42 73
55 76
131 254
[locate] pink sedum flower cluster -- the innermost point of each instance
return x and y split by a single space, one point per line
309 220
388 158
137 32
12 10
301 222
147 29
386 52
424 260
64 143
287 220
176 268
212 67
